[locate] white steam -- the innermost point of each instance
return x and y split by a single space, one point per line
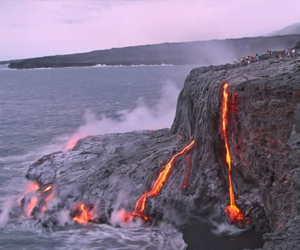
142 117
6 208
226 229
63 217
124 219
222 227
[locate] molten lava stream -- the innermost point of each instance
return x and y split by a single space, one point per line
140 204
83 217
31 205
33 201
235 215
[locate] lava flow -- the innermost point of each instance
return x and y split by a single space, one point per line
84 215
140 204
37 198
33 201
234 213
31 205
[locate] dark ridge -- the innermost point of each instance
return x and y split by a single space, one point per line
191 53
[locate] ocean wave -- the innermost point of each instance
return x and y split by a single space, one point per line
31 235
110 238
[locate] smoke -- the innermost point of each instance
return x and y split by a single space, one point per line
142 117
63 217
222 227
121 217
7 206
226 229
124 219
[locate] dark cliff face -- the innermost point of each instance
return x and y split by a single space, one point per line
264 135
264 131
113 171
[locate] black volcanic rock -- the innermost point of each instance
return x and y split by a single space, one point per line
193 53
113 171
297 46
264 139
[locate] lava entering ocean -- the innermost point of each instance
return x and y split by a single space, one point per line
35 200
234 213
40 199
140 204
84 216
83 213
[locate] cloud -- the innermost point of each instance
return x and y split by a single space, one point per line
70 21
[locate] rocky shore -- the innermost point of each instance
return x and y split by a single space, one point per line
111 172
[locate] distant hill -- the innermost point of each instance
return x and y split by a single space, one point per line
9 61
193 53
289 30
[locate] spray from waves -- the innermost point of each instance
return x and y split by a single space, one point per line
165 237
142 117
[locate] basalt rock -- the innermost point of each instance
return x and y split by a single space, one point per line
264 132
113 171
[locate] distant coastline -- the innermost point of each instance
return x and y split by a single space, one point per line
6 66
189 53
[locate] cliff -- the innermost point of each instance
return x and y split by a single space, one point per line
192 53
264 138
113 171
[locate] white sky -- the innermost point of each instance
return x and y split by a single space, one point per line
40 27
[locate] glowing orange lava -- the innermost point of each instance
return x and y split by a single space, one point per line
83 217
32 186
47 189
234 213
31 205
140 204
33 201
125 217
70 145
49 197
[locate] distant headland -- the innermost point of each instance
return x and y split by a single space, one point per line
185 53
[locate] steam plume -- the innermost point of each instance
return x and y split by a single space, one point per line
142 117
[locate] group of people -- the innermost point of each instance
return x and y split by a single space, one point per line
247 59
287 53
